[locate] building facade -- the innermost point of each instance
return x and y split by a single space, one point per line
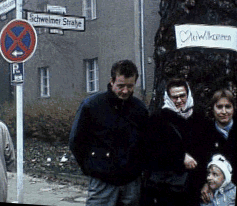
67 63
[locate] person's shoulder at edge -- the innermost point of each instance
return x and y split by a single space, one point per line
156 118
3 125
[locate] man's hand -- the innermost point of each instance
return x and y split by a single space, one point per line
206 194
189 162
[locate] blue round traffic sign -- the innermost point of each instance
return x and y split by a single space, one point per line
18 41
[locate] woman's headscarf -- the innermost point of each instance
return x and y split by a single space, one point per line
187 111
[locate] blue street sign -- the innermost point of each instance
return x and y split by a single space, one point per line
17 72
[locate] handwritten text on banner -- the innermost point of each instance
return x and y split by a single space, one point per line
221 37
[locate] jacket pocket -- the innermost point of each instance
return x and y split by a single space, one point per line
99 161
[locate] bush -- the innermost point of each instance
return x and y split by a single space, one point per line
49 120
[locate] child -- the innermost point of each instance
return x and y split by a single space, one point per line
219 181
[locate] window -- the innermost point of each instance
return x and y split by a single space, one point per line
44 82
92 74
89 9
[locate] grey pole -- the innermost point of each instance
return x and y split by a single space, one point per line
142 48
19 121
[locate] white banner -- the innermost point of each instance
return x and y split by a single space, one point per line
56 21
7 6
209 36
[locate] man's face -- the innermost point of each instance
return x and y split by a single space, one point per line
123 87
179 96
215 177
223 111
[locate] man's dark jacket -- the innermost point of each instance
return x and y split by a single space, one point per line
107 137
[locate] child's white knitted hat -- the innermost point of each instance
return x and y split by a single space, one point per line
221 162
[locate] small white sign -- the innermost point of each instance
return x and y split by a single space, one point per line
209 36
56 21
56 10
7 6
17 72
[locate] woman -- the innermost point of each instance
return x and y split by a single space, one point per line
173 160
222 133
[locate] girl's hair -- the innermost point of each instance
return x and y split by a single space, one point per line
223 93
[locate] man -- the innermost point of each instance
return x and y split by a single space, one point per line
107 139
7 159
174 147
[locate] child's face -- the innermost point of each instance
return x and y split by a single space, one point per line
215 177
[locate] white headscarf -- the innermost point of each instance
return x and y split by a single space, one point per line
187 111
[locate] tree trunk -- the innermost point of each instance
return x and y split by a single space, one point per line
206 70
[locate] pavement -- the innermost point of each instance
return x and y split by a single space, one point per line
38 191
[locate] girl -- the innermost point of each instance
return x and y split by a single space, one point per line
219 182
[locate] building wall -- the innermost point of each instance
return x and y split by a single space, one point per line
112 36
62 54
116 34
6 90
151 25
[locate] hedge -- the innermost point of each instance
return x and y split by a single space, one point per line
47 119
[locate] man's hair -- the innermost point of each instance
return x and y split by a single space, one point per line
176 82
124 67
222 93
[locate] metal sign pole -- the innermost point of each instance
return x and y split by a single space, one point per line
19 111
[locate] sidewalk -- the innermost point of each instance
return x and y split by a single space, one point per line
39 192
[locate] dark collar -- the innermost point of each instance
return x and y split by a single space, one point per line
170 115
115 101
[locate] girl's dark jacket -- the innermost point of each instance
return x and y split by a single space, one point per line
107 137
216 143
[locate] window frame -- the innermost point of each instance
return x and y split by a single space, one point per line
91 9
44 86
91 65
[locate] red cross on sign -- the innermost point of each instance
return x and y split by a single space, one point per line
18 41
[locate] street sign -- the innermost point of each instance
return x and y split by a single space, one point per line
18 41
17 73
7 6
56 21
